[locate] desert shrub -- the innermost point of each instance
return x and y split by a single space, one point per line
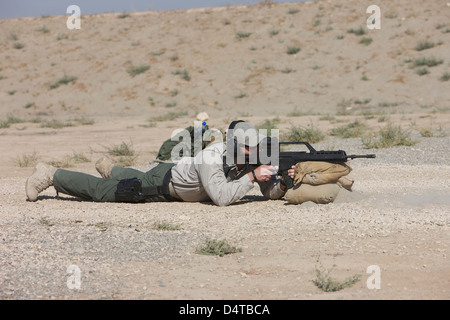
123 149
423 45
166 226
183 73
366 41
268 124
445 76
170 116
216 247
18 45
293 50
64 80
387 137
27 160
429 62
309 134
135 70
242 35
359 32
352 130
55 124
422 71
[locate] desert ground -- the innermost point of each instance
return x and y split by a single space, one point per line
69 97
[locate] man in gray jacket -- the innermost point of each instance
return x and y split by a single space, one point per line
209 176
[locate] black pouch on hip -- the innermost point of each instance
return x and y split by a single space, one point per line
130 190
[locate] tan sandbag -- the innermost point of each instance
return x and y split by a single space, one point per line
323 194
320 172
345 182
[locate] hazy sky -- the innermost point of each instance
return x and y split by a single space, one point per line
37 8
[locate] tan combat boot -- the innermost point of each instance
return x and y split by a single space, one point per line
41 179
104 167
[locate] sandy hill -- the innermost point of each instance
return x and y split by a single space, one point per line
228 61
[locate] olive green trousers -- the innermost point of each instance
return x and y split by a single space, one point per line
86 186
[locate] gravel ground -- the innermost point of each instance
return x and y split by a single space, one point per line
397 217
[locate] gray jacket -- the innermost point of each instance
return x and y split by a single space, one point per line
202 178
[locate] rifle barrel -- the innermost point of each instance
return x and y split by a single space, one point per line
355 156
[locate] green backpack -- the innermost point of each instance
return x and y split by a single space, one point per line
165 152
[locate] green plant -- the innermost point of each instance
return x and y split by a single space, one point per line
445 76
340 37
62 37
324 282
293 50
293 10
359 32
170 116
184 73
124 149
240 96
352 130
123 15
29 105
429 62
430 132
64 80
423 45
12 92
287 70
310 134
84 121
216 247
422 71
269 124
365 41
166 226
274 32
317 23
79 157
64 163
125 161
387 137
327 118
135 70
18 45
13 37
242 35
365 101
27 160
158 53
390 15
388 104
55 124
43 30
4 124
171 104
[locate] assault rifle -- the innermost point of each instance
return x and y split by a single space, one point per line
289 158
